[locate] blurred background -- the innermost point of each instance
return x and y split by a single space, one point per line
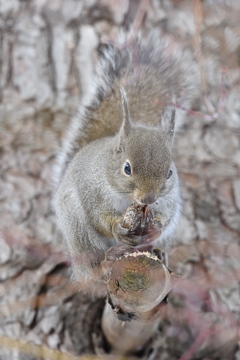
43 55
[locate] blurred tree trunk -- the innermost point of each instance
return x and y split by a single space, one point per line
40 57
41 60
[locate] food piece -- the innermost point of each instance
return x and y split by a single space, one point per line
139 220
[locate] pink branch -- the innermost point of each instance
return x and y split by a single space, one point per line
197 343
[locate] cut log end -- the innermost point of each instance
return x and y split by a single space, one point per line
138 282
137 285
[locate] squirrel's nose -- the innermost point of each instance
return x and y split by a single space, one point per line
147 199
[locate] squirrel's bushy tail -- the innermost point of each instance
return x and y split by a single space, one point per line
152 70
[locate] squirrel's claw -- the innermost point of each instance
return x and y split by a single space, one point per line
124 235
128 237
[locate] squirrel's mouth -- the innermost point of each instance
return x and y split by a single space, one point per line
139 202
144 203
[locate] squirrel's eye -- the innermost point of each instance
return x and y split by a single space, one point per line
169 174
127 169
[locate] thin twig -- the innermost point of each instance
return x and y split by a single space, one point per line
223 92
40 351
192 112
204 333
198 15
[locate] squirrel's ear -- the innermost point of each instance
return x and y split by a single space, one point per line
168 121
126 124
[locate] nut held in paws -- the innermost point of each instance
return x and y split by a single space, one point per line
139 220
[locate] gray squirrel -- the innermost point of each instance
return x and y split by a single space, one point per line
118 151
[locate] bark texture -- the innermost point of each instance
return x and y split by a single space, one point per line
41 66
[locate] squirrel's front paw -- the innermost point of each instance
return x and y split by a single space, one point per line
124 235
138 225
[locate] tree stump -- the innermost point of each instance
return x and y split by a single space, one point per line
137 285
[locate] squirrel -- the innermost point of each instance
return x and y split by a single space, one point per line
118 152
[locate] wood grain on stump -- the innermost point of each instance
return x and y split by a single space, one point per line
137 284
